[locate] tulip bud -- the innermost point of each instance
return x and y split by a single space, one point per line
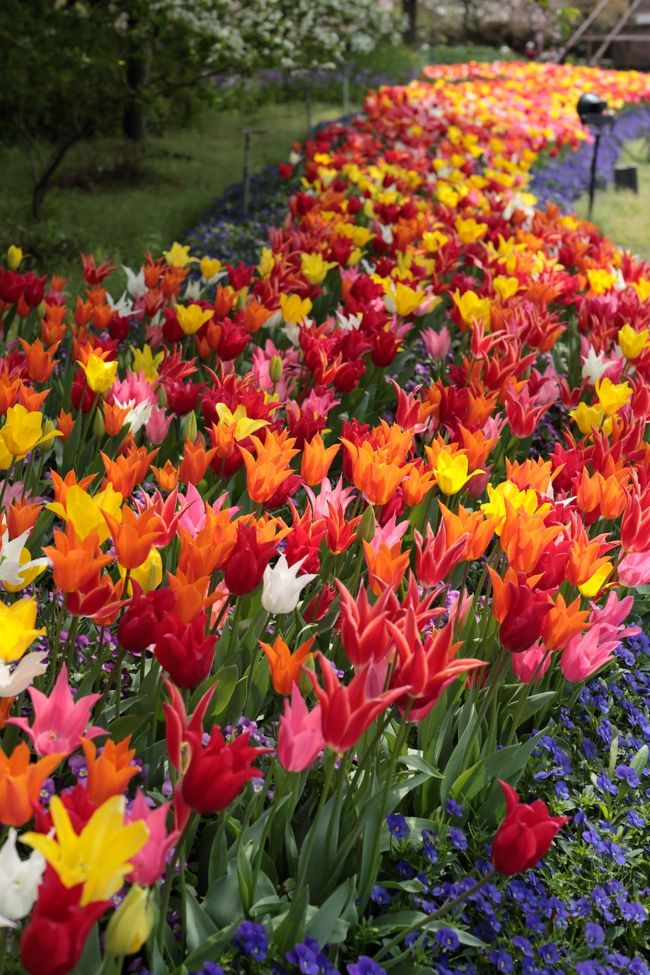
189 427
42 309
99 427
14 256
367 525
275 369
131 924
162 397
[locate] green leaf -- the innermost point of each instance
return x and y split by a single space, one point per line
199 924
469 783
209 950
91 958
322 924
223 900
640 760
226 680
458 757
291 929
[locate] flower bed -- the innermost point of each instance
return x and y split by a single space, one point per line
306 564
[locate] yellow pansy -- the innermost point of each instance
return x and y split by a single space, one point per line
314 267
145 361
294 308
86 511
178 255
22 432
210 266
633 343
612 396
99 856
100 375
192 317
17 628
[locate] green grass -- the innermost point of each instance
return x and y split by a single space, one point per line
622 215
150 205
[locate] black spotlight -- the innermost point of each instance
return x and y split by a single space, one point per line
594 113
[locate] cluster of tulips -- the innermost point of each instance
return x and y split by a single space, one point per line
282 548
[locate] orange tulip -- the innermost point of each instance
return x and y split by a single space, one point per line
64 424
524 537
317 460
285 666
473 523
135 535
195 462
167 476
75 563
110 773
39 361
21 782
114 418
268 471
563 623
387 565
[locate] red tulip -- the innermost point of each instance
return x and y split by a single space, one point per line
54 939
218 771
525 835
183 649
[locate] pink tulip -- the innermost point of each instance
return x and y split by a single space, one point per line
634 569
149 864
437 344
59 720
300 739
532 664
158 425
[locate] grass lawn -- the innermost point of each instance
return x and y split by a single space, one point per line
622 215
105 204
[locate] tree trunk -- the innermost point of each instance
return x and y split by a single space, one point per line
44 181
138 70
410 9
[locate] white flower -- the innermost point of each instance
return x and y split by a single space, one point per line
122 306
14 682
138 416
282 586
12 571
193 289
19 880
135 283
594 366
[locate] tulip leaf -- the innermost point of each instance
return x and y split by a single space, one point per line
91 958
469 783
199 924
321 925
223 901
458 757
226 680
291 929
534 704
210 949
640 760
404 919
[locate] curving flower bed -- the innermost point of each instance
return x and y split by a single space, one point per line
307 562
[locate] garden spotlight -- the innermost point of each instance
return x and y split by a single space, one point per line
593 112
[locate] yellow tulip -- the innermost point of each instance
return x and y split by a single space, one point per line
17 628
99 856
294 308
633 343
209 267
178 255
314 267
14 257
145 361
100 375
192 317
131 924
22 432
451 472
612 396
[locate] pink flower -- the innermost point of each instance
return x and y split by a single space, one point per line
59 720
634 569
337 496
300 739
437 344
532 664
192 519
588 651
158 425
149 864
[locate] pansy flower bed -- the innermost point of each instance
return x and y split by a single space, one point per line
317 572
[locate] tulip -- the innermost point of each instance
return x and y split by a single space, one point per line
282 586
14 682
217 772
54 939
20 880
17 626
525 835
100 375
300 738
131 924
184 650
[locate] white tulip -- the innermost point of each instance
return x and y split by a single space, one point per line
19 880
15 681
11 569
282 586
594 366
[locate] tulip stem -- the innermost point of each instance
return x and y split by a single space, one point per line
426 920
330 765
364 895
